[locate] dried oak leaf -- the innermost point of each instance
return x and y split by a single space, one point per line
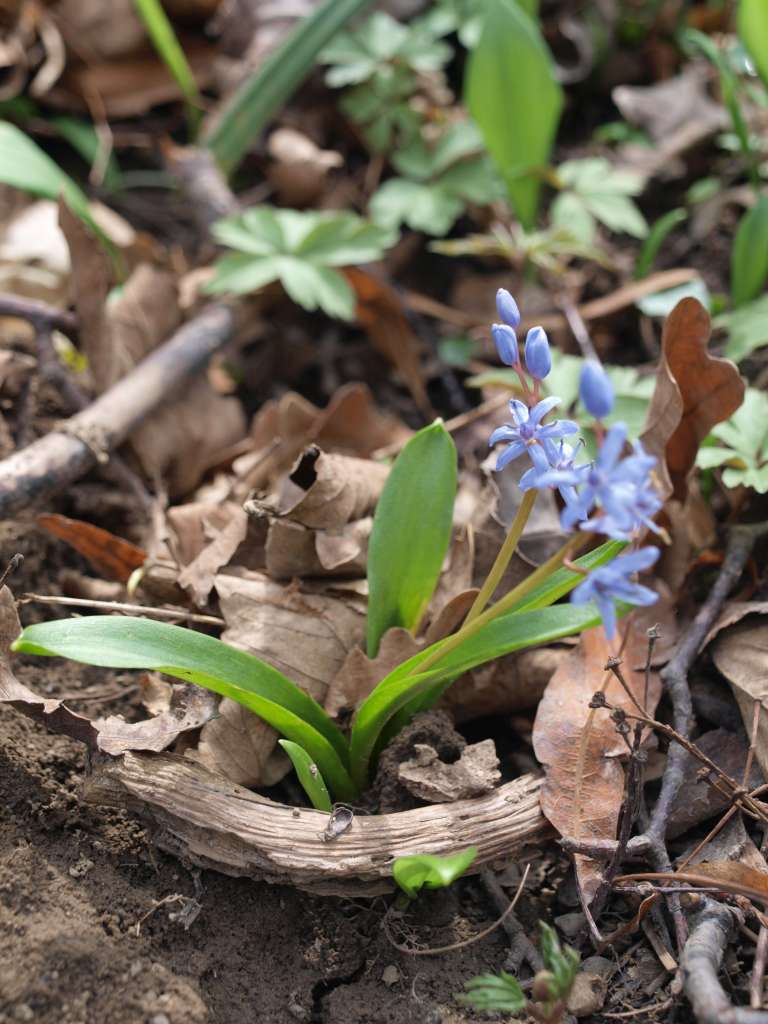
359 674
694 391
580 748
223 528
294 550
741 654
180 440
337 489
241 746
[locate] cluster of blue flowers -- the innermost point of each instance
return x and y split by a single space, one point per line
614 495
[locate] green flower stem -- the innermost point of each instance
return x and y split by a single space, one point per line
504 556
571 546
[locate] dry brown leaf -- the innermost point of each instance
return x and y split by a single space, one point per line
580 748
299 168
179 441
731 843
380 311
741 654
740 874
351 424
112 556
224 528
694 391
512 683
733 612
306 636
293 550
241 746
337 489
358 676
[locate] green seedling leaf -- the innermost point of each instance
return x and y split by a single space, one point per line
749 256
411 533
430 871
595 191
164 40
25 166
753 29
657 235
141 643
562 962
500 992
747 328
513 96
252 106
308 775
299 249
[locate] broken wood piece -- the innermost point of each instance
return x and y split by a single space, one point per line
200 817
62 456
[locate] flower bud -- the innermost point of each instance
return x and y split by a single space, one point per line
595 389
507 308
506 344
538 361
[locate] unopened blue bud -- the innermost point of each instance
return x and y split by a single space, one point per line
595 389
506 344
507 308
538 361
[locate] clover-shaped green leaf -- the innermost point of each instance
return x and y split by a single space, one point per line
743 445
593 190
299 249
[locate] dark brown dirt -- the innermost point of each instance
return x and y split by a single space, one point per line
85 938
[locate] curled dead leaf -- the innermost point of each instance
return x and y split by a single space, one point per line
694 391
111 556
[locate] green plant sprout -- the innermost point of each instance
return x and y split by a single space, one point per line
612 495
593 191
551 987
299 249
430 871
740 445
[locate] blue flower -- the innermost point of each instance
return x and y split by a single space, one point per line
613 582
561 471
506 344
595 389
507 308
526 433
538 360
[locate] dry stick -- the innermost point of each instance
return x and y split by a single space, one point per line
675 679
700 964
39 314
520 946
758 970
125 609
81 442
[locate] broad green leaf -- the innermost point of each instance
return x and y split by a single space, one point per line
513 96
25 166
258 231
411 533
569 211
239 273
755 477
661 304
423 207
745 432
142 643
747 328
317 287
753 29
618 213
252 106
749 255
308 775
711 456
430 871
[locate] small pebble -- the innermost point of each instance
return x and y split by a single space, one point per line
390 975
587 995
571 924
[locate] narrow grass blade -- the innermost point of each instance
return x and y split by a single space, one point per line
141 643
167 45
411 533
259 98
308 774
25 166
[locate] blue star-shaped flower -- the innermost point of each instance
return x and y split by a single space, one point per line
527 434
613 582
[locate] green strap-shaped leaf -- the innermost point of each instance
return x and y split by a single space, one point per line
431 871
25 166
308 775
753 29
501 636
749 256
142 643
411 533
513 96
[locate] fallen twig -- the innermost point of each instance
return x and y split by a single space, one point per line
122 608
699 966
81 442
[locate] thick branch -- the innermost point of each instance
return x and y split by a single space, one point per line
699 967
56 460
